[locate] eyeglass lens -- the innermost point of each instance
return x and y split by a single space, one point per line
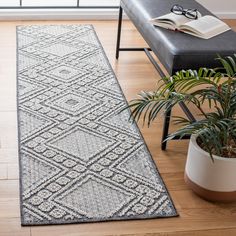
177 9
189 13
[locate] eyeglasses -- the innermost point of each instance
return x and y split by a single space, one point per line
189 13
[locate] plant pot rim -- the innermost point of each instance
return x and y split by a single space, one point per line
193 140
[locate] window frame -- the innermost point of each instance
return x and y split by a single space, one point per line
78 6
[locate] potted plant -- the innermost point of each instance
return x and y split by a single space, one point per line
211 162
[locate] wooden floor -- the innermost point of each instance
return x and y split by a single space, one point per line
135 73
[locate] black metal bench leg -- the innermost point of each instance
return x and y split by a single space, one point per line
165 130
119 32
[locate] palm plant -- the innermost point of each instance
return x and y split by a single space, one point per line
216 129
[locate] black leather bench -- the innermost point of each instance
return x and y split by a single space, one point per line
175 50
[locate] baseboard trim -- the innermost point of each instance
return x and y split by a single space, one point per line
73 14
226 15
58 14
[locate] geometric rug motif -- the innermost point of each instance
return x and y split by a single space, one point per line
80 159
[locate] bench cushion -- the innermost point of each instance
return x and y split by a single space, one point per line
177 50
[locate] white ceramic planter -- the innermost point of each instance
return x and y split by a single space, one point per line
215 181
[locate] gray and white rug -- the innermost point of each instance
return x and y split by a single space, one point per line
80 161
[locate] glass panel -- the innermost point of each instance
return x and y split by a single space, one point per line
98 3
47 3
9 3
61 3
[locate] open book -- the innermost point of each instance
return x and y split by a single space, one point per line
204 27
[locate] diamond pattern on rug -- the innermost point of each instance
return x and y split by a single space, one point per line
26 88
65 73
27 40
137 164
80 159
55 30
36 171
59 50
31 123
82 144
121 122
26 62
69 103
98 200
98 60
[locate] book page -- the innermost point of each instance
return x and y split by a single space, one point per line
171 19
206 25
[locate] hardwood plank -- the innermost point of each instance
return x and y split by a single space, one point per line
9 189
8 155
175 181
218 232
3 171
12 227
8 129
9 208
13 171
196 221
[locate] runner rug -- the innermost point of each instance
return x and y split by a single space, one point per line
80 160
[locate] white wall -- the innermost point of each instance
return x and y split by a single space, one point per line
222 8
